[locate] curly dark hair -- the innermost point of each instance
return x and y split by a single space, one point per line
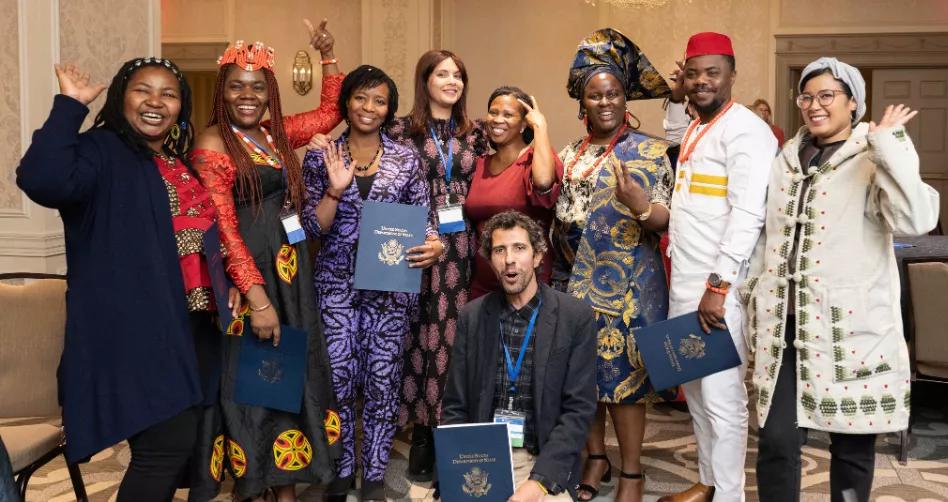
112 115
367 77
506 221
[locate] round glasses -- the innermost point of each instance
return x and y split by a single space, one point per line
824 97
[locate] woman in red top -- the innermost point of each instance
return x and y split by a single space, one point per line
255 181
523 174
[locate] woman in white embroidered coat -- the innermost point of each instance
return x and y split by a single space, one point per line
823 299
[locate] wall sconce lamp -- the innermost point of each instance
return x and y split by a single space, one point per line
302 73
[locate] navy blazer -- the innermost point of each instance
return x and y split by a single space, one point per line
128 360
564 376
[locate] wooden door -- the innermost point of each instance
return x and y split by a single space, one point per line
925 90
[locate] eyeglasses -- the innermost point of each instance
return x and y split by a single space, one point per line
824 97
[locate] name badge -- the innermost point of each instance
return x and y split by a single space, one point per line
450 219
515 421
291 225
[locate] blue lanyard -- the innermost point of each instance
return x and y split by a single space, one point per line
514 371
446 161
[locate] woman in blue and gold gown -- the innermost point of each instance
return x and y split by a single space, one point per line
613 205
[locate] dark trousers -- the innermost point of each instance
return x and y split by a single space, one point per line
8 491
160 456
780 441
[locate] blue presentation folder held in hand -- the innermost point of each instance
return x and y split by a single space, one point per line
678 351
386 232
475 462
270 376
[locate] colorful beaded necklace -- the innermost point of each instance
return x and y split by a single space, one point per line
582 149
259 150
689 146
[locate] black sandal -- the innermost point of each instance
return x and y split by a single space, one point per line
634 475
338 489
606 477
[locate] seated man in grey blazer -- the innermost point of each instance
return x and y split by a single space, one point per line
552 392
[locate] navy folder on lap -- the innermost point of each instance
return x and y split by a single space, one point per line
475 462
270 376
678 351
386 232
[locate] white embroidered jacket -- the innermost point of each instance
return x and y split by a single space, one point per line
852 359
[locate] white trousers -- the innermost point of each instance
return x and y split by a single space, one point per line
718 402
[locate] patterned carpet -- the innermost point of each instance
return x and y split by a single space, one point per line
669 458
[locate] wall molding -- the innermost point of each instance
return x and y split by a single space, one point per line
194 56
33 245
865 51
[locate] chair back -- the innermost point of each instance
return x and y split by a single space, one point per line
928 285
32 328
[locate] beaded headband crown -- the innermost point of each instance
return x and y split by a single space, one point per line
252 58
152 61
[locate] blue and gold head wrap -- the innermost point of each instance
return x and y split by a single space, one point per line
608 50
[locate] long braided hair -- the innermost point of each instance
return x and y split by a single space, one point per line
248 181
112 115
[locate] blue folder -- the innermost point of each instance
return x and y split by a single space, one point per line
678 351
386 232
474 462
270 376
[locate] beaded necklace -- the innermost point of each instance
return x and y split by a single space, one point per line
367 166
582 149
259 150
689 146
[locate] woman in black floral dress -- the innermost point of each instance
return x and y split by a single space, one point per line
449 144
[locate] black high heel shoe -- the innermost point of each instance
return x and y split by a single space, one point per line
421 456
373 491
338 489
606 477
634 475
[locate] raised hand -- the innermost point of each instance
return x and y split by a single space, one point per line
340 173
628 191
533 116
676 82
75 84
894 116
320 38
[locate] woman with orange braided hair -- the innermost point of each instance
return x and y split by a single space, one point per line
255 180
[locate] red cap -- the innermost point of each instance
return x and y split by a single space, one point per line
708 42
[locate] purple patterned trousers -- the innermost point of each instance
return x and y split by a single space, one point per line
365 344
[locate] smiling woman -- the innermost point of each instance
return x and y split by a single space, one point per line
135 220
365 330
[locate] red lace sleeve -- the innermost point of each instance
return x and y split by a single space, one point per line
302 126
217 173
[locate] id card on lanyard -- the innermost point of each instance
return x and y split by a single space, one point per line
451 214
515 419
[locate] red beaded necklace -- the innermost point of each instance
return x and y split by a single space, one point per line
582 149
255 148
689 146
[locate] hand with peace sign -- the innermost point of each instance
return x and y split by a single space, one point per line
320 38
534 118
75 84
676 81
629 192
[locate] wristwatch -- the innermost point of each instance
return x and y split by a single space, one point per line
717 284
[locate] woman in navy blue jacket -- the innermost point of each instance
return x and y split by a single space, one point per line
141 354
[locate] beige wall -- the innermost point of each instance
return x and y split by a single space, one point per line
35 35
278 24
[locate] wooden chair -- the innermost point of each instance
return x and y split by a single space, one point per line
32 328
928 323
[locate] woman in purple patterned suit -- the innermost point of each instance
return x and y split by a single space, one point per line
365 330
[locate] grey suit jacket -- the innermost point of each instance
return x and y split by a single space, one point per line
564 376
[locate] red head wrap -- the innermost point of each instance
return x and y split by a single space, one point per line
708 42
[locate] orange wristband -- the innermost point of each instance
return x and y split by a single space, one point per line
720 291
324 62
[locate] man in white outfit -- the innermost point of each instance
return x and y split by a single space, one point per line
716 217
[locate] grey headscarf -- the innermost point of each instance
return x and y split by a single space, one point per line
844 72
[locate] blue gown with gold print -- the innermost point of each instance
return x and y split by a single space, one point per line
605 257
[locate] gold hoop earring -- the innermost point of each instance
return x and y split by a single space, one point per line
629 116
175 132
